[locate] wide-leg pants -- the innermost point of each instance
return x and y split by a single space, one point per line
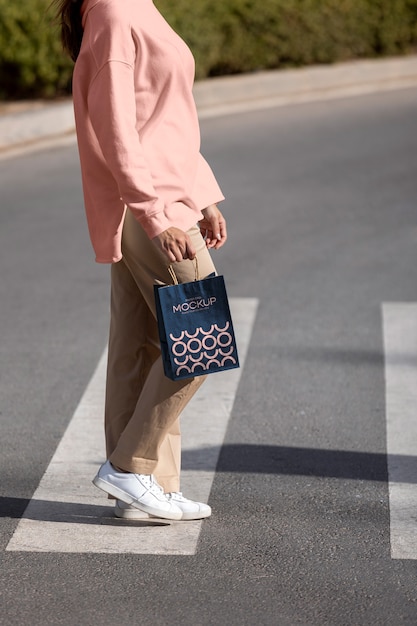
142 405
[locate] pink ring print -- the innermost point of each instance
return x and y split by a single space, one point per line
203 350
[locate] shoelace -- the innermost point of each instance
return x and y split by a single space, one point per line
176 495
155 486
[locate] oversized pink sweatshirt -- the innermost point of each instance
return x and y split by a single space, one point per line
137 127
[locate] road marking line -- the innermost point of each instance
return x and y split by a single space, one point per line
400 342
68 514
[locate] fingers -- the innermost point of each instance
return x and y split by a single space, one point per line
179 250
213 236
175 244
190 250
222 234
213 228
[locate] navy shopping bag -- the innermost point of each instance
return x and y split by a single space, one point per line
195 327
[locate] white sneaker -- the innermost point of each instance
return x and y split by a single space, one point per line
190 509
127 511
140 490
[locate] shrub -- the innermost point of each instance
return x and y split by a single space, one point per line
244 35
226 36
31 59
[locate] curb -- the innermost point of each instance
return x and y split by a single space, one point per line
308 84
37 122
22 125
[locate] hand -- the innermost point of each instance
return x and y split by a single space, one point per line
213 227
175 244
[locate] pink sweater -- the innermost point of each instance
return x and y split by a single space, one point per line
137 126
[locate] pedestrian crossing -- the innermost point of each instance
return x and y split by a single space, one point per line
68 514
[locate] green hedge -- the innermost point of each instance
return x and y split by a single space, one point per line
236 36
226 36
31 59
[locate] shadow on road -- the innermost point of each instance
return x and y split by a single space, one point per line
244 458
264 459
68 512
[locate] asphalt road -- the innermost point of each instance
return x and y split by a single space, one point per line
321 206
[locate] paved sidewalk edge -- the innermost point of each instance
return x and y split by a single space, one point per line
217 96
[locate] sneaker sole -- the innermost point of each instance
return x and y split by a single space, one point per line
135 515
195 516
127 498
132 514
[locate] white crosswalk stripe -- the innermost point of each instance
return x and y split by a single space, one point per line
400 342
68 514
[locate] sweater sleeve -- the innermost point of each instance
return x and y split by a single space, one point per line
112 109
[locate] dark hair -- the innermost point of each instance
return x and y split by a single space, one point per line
68 14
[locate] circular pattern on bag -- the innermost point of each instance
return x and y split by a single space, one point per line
198 351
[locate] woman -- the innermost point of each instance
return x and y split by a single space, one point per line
150 200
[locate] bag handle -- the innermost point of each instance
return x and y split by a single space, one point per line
174 276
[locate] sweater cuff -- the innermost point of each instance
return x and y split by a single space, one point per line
155 224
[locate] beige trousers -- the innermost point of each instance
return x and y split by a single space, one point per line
143 405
